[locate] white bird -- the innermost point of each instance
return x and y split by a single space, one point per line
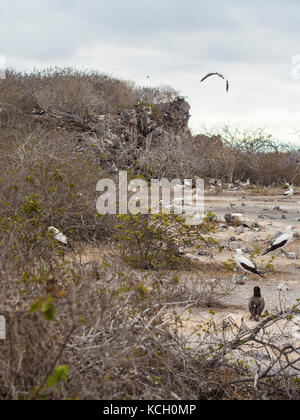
282 241
245 264
289 192
245 184
58 235
216 74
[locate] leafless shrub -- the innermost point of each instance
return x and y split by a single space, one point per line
118 334
233 154
73 96
82 323
156 95
173 158
44 184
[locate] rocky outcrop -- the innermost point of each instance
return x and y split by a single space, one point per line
142 128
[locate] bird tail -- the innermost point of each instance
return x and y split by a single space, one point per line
266 252
256 313
260 273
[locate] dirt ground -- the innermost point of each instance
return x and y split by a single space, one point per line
283 271
266 222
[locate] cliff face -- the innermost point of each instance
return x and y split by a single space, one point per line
109 136
145 125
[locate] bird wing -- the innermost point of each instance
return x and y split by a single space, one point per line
61 238
274 247
213 74
58 235
217 74
247 262
251 305
281 240
249 266
261 306
208 75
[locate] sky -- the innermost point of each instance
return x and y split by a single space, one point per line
256 45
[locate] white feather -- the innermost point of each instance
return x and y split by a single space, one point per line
58 235
287 236
239 259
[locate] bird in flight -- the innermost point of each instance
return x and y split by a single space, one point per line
217 74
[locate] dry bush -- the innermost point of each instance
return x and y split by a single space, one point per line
72 96
117 94
74 92
42 184
84 94
175 157
232 154
118 334
156 95
16 96
83 324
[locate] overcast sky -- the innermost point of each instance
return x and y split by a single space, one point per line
173 42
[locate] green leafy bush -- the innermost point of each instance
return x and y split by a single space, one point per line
154 241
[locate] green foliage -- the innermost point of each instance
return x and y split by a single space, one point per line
60 374
153 241
45 306
230 264
269 265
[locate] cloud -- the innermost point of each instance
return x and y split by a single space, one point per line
174 42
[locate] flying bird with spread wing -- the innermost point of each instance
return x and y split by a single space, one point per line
217 74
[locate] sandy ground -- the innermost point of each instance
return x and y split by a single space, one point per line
285 271
257 209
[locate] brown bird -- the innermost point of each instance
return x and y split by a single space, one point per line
256 304
53 289
217 74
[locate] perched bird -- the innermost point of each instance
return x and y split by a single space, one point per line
246 184
60 237
276 207
245 264
282 241
256 304
53 289
217 74
289 192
